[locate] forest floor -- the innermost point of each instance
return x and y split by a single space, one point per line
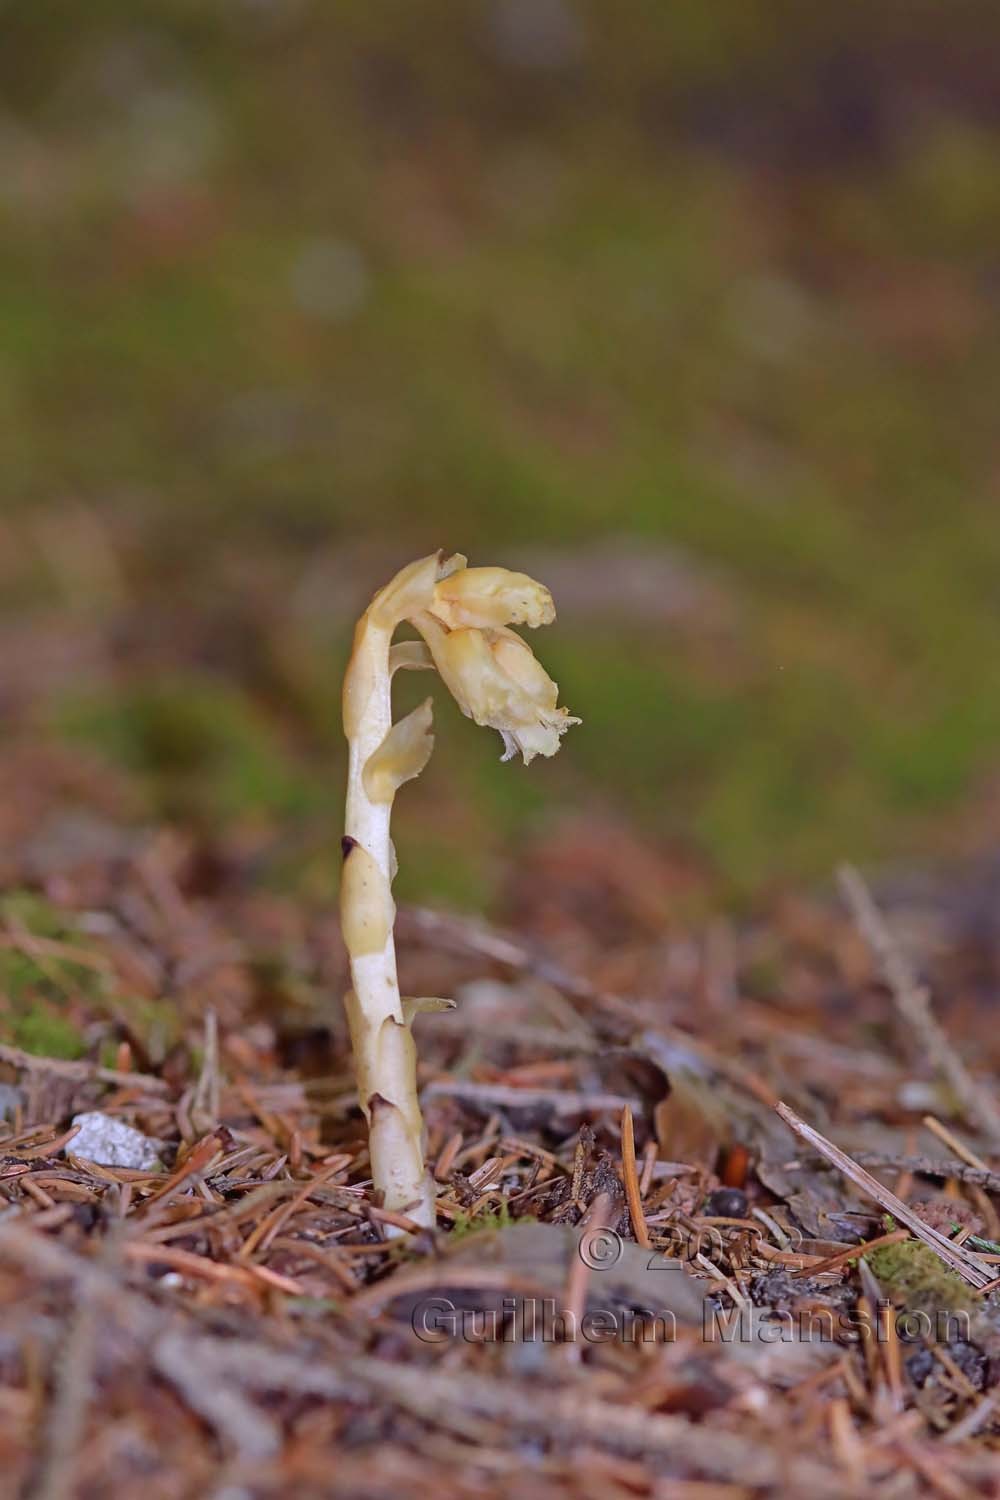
696 318
643 1281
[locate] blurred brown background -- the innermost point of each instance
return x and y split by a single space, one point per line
691 309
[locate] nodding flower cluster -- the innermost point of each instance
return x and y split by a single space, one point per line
464 617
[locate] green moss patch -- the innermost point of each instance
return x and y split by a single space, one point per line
914 1277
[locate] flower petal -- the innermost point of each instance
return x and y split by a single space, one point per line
486 597
496 681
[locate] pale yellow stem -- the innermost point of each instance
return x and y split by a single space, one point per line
384 1055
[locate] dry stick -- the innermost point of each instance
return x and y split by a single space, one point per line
438 1278
84 1072
968 1266
440 1397
66 1417
447 1399
250 1432
631 1181
913 1002
504 1096
926 1166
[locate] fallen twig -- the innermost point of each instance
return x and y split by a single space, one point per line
444 1398
85 1072
503 1096
248 1430
66 1418
926 1166
913 1002
969 1267
197 1363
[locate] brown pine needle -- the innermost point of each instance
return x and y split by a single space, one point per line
268 1227
631 1180
446 1160
187 1263
954 1144
196 1160
833 1262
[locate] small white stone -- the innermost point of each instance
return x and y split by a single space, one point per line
112 1143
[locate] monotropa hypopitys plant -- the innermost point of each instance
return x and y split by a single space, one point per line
464 617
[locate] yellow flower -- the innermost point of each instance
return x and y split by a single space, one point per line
411 590
489 598
496 681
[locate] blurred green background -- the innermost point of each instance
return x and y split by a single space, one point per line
692 309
